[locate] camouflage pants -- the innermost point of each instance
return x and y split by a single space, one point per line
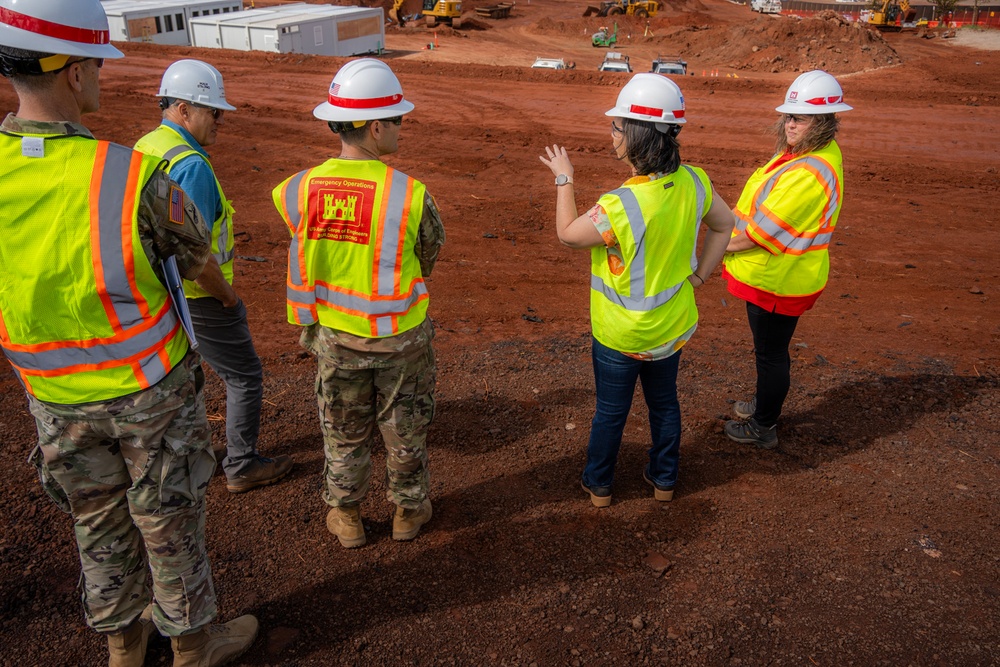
133 474
400 399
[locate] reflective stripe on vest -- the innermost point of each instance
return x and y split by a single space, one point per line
297 290
791 240
638 300
139 335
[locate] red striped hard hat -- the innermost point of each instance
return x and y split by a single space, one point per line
363 89
812 94
62 27
653 98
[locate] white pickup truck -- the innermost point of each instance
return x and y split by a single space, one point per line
549 63
615 62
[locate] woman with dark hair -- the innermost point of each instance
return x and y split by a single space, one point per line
779 260
644 270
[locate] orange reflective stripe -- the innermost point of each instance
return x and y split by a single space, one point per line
405 218
128 214
95 236
4 336
383 208
147 324
140 375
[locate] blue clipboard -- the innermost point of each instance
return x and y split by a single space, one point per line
176 288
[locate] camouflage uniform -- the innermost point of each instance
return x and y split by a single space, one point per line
386 381
133 471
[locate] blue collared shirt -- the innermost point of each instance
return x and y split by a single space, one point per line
195 177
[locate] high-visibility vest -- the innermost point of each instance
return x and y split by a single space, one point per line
165 142
792 212
351 263
656 223
83 316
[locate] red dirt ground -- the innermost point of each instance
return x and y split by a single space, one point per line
864 539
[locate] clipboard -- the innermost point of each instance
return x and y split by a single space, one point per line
176 288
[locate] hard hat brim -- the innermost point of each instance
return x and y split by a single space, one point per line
22 39
808 110
327 111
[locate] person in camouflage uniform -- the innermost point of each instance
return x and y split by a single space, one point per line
123 439
364 237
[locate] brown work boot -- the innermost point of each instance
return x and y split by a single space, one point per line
214 645
262 472
406 524
128 647
345 523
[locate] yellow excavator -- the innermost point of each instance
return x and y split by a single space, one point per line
434 12
885 14
639 8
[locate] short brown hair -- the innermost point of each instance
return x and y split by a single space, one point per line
822 131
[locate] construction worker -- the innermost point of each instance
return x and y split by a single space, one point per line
364 238
644 270
193 101
88 326
778 259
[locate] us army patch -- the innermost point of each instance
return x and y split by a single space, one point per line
176 205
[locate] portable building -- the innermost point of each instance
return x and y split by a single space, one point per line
326 30
161 21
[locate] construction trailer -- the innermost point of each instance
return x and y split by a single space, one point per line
323 30
161 21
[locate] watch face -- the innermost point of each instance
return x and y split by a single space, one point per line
562 179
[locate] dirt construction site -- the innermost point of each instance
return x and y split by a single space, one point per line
868 537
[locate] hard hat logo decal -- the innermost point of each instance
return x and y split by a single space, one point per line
793 95
55 30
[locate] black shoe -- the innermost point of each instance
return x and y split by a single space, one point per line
662 493
600 496
752 433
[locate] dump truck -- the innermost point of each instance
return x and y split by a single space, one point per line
498 11
638 8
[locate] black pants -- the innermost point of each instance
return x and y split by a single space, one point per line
772 334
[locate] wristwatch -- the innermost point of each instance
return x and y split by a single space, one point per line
563 179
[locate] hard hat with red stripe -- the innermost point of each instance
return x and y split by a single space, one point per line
363 89
62 27
814 93
653 98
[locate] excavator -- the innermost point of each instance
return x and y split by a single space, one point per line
885 13
639 8
434 12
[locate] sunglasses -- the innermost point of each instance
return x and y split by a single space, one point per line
397 120
216 113
616 129
99 61
798 119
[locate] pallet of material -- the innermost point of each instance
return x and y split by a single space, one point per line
498 11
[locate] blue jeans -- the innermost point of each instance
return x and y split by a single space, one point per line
614 376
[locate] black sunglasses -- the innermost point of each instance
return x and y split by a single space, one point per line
797 119
99 61
397 120
215 112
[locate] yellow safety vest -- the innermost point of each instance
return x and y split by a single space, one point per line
83 316
791 213
165 142
651 301
351 263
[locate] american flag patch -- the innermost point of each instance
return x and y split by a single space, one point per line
336 89
176 205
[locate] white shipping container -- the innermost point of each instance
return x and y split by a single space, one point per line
161 21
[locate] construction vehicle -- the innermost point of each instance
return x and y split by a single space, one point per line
501 10
887 15
604 38
642 9
443 11
766 6
549 63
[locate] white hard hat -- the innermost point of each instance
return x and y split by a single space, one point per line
363 89
197 82
653 98
814 93
62 27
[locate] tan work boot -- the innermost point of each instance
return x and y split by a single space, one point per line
406 524
215 645
345 523
262 472
128 647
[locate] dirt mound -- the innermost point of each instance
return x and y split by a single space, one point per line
786 45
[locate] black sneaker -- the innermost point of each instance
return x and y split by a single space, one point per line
600 496
752 433
745 409
662 493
